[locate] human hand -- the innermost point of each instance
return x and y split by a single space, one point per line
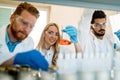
33 58
117 33
72 32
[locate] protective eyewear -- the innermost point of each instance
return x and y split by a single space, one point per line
99 24
23 22
52 33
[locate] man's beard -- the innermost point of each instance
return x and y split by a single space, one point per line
15 32
98 34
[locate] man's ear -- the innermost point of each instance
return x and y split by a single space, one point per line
12 17
91 27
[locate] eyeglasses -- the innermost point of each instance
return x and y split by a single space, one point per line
23 22
99 24
52 33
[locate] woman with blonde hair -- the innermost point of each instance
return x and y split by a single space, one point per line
48 43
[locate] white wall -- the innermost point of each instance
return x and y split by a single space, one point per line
64 15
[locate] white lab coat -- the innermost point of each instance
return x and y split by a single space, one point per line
98 54
97 59
117 55
49 54
5 54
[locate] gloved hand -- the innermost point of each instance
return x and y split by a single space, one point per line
117 34
72 32
33 58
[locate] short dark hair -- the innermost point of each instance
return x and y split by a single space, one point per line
97 14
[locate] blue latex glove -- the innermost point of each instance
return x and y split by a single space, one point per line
117 34
32 58
72 32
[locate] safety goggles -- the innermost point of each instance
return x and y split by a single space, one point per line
52 33
23 22
99 24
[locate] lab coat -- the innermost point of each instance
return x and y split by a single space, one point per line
5 54
48 55
98 54
117 55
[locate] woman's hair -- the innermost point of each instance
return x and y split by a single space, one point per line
54 46
28 7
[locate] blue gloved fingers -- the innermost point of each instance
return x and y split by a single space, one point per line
21 59
32 58
63 30
117 33
41 65
72 32
33 65
70 26
69 30
24 59
40 61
